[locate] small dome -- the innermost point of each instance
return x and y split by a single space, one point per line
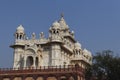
86 52
77 45
20 29
55 25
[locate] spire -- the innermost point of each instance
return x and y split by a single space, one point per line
63 22
62 18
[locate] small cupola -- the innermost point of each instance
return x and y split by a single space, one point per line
20 34
56 25
87 54
20 29
55 28
77 45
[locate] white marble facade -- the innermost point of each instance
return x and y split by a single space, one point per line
60 48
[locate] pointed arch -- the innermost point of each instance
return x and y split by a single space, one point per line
30 51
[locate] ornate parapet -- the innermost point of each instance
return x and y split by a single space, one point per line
43 73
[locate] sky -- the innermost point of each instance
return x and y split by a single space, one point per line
96 23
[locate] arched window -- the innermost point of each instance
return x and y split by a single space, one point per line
54 32
36 62
20 36
29 62
57 32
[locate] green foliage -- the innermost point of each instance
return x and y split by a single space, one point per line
105 66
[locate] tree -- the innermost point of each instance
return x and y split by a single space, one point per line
105 66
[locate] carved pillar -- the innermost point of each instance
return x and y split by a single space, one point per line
25 58
34 60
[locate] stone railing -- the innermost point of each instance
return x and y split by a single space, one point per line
81 57
19 42
41 69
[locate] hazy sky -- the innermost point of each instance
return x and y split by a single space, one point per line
96 23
